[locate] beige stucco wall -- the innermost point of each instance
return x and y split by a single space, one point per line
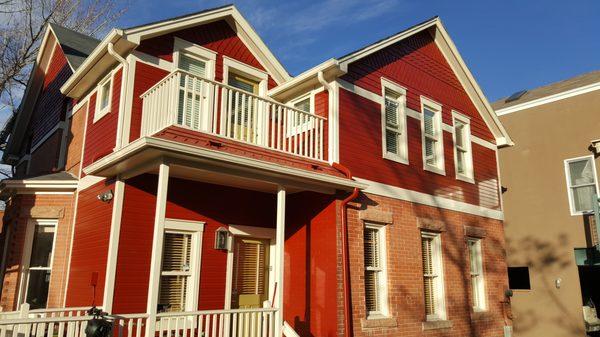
540 231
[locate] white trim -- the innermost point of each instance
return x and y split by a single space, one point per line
568 179
293 129
468 176
438 267
402 131
98 112
549 99
128 103
189 49
484 143
113 247
59 125
428 199
436 108
334 124
196 229
157 246
255 232
280 258
382 290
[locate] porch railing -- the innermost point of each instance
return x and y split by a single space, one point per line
212 107
209 323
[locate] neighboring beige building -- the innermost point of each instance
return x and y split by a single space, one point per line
549 177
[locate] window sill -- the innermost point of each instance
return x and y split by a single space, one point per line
464 178
396 158
98 115
481 315
378 322
434 325
434 169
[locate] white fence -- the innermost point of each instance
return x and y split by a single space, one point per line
212 107
210 323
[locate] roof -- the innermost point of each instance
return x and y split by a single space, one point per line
549 90
180 16
58 176
47 182
75 45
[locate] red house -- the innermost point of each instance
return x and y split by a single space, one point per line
175 175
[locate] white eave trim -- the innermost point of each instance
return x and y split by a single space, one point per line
549 99
26 184
181 148
308 74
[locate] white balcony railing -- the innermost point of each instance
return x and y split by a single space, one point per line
215 108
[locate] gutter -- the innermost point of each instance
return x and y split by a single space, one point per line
124 84
348 331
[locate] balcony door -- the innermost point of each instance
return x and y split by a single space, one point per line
194 90
250 284
243 109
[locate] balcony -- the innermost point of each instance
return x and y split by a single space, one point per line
184 100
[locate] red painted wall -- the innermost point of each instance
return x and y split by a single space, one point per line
145 77
90 246
51 103
322 109
101 136
418 65
310 294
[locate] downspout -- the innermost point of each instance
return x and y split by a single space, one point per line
124 79
348 330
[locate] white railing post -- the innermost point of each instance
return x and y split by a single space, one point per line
279 257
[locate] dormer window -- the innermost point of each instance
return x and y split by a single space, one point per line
103 98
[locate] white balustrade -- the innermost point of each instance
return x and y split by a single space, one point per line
215 108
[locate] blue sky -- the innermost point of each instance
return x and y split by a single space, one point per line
509 45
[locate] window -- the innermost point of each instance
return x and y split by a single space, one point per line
518 278
38 265
431 130
103 98
581 182
375 271
393 114
299 122
433 280
476 271
189 100
180 266
463 158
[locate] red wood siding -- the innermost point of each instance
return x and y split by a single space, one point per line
322 109
417 64
361 151
217 36
145 77
135 245
51 103
90 246
310 285
101 136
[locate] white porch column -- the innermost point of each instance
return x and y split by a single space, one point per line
113 246
157 245
279 258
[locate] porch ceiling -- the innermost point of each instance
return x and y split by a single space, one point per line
200 164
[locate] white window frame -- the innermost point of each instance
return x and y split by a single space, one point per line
189 49
570 187
26 258
402 155
478 288
99 113
435 107
468 176
382 287
297 129
196 229
256 74
440 297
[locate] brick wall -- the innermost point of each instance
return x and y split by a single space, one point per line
404 267
20 209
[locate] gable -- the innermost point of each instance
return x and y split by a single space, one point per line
217 36
418 64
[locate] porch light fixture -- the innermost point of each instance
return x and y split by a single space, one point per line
106 196
222 238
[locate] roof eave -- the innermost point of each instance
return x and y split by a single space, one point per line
330 68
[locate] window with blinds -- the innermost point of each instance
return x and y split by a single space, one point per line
250 267
375 278
175 272
581 178
462 147
476 271
394 140
189 107
433 151
432 276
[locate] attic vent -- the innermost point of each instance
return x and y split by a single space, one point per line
515 96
